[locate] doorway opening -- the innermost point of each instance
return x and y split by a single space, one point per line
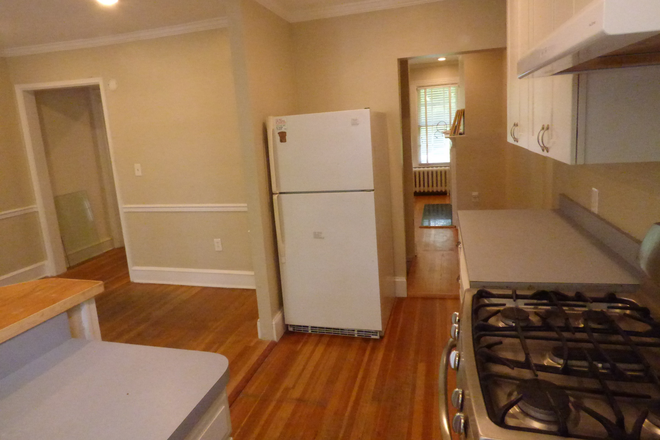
69 152
432 95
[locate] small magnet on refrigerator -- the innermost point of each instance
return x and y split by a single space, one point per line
355 121
282 135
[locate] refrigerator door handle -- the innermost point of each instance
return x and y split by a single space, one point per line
273 160
279 229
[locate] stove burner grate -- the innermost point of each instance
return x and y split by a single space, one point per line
514 315
605 364
543 400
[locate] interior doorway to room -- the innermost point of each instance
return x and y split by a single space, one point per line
432 95
71 163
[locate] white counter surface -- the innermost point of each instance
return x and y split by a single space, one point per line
86 390
536 249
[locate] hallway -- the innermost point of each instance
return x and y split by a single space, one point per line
434 271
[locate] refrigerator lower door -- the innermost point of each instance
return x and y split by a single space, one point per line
330 270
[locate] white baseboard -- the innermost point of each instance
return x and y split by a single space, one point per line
400 287
278 325
279 328
80 255
234 279
29 273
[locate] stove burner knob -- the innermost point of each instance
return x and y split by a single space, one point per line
458 423
457 399
455 318
454 332
454 359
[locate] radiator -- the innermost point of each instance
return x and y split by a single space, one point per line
431 180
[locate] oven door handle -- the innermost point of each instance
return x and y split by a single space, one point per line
442 386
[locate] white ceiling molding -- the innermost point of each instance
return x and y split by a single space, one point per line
197 26
293 16
353 8
276 8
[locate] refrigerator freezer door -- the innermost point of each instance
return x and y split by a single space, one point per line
330 274
321 152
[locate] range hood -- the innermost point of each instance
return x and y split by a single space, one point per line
604 35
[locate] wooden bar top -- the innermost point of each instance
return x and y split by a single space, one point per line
26 305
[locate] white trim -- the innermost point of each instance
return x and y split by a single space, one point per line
17 212
350 9
278 325
29 273
400 287
148 34
87 252
50 232
186 208
235 279
279 328
276 8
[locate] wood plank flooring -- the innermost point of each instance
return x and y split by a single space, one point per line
434 271
195 318
332 387
305 386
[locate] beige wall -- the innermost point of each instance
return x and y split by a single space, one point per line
629 194
440 71
264 73
20 237
480 154
351 62
174 112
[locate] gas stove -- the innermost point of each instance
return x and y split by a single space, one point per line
547 365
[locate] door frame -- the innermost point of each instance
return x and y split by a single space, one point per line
43 193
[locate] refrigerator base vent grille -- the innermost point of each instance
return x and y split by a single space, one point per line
373 334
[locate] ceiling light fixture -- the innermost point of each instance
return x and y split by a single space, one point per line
442 59
107 2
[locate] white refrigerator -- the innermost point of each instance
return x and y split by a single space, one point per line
332 205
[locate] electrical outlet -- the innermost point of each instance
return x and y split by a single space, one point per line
138 169
594 200
218 244
475 197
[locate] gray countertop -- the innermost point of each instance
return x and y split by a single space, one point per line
85 390
536 249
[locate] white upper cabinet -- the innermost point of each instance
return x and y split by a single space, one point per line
518 94
599 117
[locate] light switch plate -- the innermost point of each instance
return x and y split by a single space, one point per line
138 169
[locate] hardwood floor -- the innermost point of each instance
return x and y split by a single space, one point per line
333 387
434 271
305 386
194 318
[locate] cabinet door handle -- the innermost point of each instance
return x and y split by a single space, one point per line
538 137
513 132
543 145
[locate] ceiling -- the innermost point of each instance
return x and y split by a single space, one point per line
33 26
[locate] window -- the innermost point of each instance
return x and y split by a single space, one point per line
437 105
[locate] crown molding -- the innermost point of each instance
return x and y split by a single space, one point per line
197 26
353 8
276 8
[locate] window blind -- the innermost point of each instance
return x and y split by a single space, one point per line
437 105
